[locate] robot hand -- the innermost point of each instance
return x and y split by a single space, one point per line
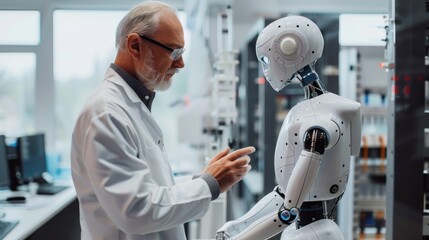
222 233
266 207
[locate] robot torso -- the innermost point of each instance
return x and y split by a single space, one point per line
340 118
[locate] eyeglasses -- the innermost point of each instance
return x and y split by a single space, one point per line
175 55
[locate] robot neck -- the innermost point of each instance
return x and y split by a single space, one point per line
314 89
310 82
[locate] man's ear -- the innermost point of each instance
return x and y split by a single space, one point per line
133 45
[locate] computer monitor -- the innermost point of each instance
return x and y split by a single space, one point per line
4 167
31 155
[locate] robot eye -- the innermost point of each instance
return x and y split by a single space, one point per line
265 60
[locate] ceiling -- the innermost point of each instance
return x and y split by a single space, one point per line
247 10
244 10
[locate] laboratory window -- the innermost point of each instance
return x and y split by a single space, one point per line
84 46
17 102
19 27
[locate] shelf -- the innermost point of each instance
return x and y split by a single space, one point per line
364 203
373 111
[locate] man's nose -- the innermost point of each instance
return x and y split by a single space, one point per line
179 63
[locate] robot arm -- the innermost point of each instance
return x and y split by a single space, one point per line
266 218
306 168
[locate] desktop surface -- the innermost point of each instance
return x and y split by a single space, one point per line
36 212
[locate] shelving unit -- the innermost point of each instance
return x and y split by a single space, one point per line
250 117
369 198
363 79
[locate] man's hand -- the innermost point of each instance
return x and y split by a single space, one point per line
229 168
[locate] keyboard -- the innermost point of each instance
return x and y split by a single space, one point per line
47 189
6 227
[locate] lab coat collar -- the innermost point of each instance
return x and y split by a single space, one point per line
142 92
115 78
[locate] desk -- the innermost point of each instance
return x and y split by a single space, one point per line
45 217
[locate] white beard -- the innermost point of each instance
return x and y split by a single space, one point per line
152 79
163 84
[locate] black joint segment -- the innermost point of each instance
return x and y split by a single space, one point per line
315 141
310 212
279 191
308 75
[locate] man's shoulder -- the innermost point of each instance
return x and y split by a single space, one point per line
110 97
106 98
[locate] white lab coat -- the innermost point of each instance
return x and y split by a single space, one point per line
121 172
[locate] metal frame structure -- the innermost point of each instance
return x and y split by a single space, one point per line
406 153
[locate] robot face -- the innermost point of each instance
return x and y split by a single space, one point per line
286 46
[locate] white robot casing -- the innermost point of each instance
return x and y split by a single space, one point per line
314 145
340 118
297 42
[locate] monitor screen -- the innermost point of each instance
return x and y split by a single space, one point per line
31 154
4 167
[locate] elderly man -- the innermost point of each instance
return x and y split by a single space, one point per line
120 168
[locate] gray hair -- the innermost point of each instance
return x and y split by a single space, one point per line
142 19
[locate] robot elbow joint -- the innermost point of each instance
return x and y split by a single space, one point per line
288 216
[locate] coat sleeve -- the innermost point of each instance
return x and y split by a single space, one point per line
123 182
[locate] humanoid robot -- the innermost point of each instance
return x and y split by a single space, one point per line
314 146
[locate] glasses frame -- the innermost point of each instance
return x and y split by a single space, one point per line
175 55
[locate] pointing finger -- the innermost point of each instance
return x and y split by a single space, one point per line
240 152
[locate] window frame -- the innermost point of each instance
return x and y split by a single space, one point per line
44 79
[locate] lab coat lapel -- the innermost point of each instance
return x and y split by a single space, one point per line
115 78
151 126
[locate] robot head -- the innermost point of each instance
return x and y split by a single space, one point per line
286 46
